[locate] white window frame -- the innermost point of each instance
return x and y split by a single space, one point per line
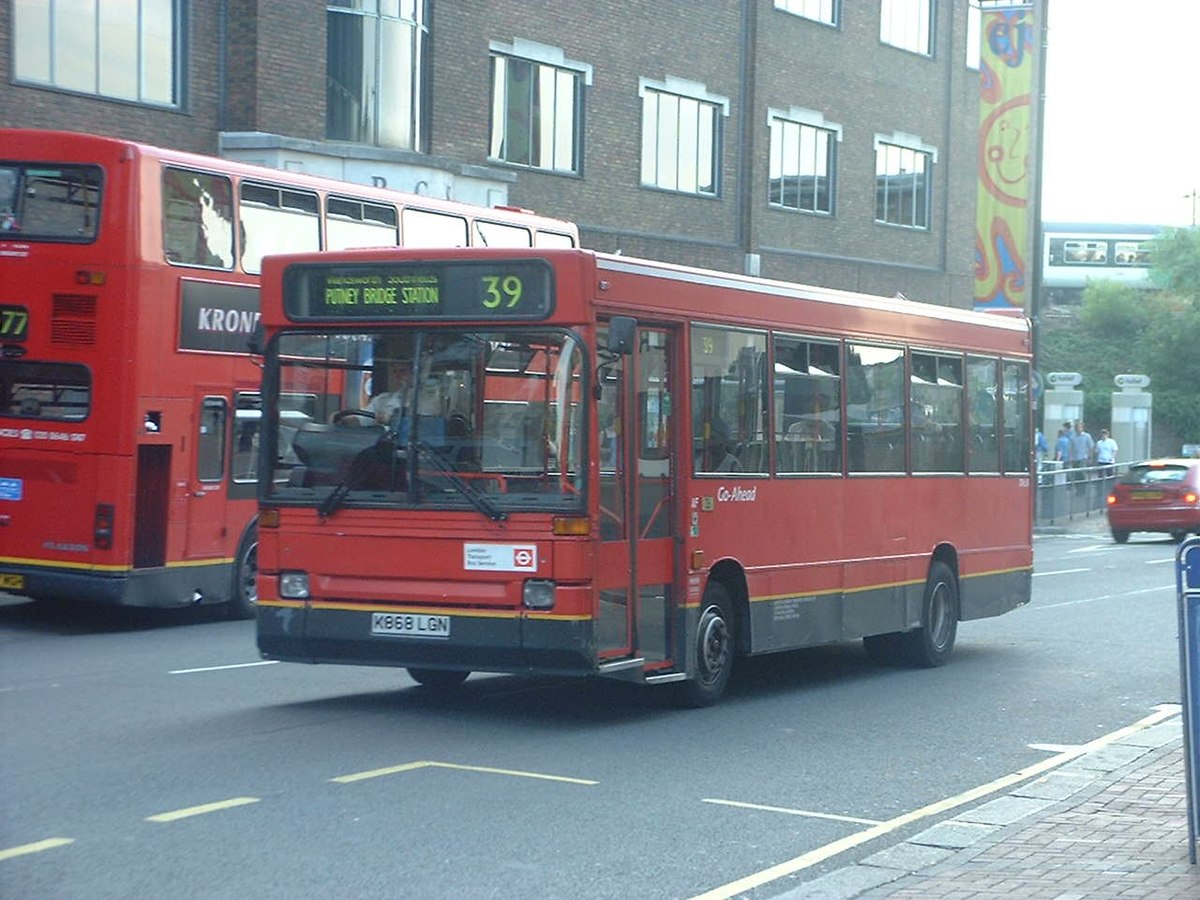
913 144
553 130
827 12
811 119
660 172
908 25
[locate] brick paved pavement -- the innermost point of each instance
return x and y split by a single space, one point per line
1109 824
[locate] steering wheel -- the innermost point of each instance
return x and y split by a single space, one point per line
347 413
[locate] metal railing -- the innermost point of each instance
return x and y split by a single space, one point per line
1065 492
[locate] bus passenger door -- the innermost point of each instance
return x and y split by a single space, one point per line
206 490
637 499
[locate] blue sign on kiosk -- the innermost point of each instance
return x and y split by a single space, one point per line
1187 578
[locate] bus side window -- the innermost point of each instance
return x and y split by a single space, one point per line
197 219
421 228
247 421
210 442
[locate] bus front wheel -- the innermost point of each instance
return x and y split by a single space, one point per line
714 649
243 601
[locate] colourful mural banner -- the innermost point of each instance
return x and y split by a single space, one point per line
1003 230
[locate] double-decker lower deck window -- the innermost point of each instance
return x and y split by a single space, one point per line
48 391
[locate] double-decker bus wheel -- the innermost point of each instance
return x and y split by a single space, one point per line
714 649
929 645
437 679
243 602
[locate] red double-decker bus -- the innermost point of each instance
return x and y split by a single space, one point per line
129 405
616 467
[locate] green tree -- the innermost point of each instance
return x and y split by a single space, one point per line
1123 329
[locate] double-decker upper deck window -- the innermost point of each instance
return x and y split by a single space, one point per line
49 202
374 59
681 138
197 218
801 165
827 11
357 223
902 185
128 50
537 108
907 24
277 220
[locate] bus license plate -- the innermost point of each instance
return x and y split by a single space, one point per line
410 625
11 582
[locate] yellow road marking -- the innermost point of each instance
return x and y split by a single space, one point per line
429 764
201 810
820 854
36 847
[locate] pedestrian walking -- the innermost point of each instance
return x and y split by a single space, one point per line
1082 450
1106 454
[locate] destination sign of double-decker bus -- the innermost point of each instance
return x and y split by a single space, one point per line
130 409
589 465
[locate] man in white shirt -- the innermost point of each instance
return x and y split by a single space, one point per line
391 402
1106 454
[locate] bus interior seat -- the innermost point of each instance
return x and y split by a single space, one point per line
327 452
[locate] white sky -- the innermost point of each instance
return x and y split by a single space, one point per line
1122 115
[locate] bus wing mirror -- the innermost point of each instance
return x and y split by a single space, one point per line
621 330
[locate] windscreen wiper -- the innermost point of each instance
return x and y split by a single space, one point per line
478 499
354 473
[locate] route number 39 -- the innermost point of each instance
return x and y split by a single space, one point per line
501 291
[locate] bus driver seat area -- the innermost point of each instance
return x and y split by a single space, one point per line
333 454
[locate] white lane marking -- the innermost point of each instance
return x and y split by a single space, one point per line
1061 572
820 854
808 814
1152 590
265 662
431 764
1159 562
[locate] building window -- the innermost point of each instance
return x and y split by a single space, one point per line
827 11
802 163
681 137
902 184
129 50
537 107
375 53
907 24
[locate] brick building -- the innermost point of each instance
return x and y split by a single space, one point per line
814 140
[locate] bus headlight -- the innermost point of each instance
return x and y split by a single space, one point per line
538 594
293 585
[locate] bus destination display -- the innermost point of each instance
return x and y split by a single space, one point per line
512 289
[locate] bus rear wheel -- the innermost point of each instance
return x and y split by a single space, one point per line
714 650
931 643
437 679
243 601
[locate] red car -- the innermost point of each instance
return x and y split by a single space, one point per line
1159 495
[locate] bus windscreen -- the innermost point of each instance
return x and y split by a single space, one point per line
469 290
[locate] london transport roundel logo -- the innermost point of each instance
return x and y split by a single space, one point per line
523 558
